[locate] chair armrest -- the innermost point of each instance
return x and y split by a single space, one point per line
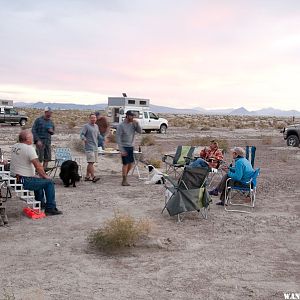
167 156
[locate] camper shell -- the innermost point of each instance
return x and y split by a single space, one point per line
8 114
149 121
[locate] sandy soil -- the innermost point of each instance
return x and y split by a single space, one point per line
228 256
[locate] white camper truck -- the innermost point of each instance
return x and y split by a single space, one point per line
118 106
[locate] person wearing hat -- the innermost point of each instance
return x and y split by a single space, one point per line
42 130
209 156
103 126
125 137
239 174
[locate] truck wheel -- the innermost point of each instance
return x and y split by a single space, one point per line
163 129
292 141
147 130
22 122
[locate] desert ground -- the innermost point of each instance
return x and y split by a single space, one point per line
227 256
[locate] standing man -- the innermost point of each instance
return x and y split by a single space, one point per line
42 130
125 137
90 135
103 126
24 163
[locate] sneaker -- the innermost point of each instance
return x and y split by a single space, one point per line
52 212
214 192
220 203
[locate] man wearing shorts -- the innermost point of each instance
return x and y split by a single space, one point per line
125 137
90 135
42 130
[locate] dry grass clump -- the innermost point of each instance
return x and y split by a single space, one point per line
119 232
147 140
283 156
266 140
205 128
154 162
78 145
223 144
71 124
200 141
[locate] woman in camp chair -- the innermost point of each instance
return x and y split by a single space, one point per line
209 156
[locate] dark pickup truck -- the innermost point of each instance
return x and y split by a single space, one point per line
292 135
11 116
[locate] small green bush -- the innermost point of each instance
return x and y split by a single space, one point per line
119 232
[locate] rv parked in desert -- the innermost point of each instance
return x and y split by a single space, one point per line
118 106
8 114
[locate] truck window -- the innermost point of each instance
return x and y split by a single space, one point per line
131 101
153 116
146 115
143 102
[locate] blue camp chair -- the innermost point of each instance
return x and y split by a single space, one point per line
247 190
250 154
61 155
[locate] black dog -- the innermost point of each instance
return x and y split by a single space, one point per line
69 172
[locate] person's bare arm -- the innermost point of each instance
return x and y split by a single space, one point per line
39 168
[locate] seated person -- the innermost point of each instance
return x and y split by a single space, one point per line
24 163
209 157
239 174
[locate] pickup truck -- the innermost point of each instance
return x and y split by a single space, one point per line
11 116
292 135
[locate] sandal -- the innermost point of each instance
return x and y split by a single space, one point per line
88 179
95 179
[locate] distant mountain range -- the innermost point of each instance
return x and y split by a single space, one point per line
164 109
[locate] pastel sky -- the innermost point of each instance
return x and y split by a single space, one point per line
178 53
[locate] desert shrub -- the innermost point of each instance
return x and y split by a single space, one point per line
78 145
205 128
266 140
154 162
200 141
223 144
147 140
119 232
71 124
111 138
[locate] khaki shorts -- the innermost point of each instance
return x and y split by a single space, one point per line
91 156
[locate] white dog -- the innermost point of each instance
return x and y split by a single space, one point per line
154 176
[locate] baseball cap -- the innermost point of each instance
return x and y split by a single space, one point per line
130 113
48 108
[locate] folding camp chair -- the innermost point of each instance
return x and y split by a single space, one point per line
247 190
250 154
189 193
61 155
175 162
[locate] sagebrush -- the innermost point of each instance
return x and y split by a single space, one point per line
120 232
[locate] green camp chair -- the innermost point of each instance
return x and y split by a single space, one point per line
189 193
175 162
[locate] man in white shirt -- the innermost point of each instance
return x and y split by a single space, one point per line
24 165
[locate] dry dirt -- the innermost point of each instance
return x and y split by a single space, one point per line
228 256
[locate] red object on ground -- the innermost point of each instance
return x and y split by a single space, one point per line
33 213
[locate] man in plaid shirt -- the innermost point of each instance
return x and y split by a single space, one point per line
42 130
209 156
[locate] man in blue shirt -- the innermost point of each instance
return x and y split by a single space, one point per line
239 174
42 130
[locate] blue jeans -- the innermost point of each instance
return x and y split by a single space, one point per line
199 162
41 187
101 140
